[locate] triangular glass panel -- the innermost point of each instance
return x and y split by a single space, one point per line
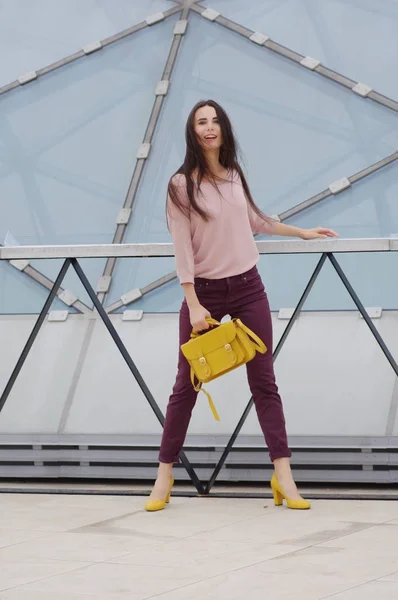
342 35
71 140
164 298
367 210
21 295
36 34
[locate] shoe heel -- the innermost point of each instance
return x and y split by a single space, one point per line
278 498
171 487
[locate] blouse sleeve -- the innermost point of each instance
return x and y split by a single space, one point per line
180 229
257 224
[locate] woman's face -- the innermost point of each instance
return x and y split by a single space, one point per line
207 128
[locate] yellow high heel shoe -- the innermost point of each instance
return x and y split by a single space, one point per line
154 505
279 495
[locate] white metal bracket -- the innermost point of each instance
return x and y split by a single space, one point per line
123 216
57 316
180 27
310 63
27 77
362 89
374 312
132 315
162 87
152 19
259 38
19 264
285 314
131 296
338 186
143 151
104 283
210 14
67 297
93 47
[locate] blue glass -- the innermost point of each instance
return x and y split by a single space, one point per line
357 38
298 133
21 295
92 267
69 144
36 34
137 273
368 209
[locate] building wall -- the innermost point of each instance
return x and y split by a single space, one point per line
333 377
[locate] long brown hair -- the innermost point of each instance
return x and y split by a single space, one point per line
195 160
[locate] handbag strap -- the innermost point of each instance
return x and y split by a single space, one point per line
198 388
257 342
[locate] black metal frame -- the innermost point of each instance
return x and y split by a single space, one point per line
202 490
116 338
275 354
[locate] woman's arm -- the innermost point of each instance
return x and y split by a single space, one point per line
304 234
180 229
197 312
259 225
273 227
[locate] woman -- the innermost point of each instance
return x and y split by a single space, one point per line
212 217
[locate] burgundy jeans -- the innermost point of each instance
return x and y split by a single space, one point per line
242 297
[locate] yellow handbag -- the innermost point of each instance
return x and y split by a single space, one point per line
219 350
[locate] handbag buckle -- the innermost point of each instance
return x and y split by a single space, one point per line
202 361
228 347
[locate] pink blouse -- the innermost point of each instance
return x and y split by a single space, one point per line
222 247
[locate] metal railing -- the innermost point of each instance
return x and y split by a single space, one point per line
327 249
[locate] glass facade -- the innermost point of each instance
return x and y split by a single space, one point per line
69 140
354 37
36 34
69 144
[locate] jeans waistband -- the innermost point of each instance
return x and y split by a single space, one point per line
240 277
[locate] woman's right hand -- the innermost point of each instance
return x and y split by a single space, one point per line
198 315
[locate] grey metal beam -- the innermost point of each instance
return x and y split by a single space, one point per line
24 267
300 60
83 52
287 214
143 291
158 283
47 283
335 245
150 130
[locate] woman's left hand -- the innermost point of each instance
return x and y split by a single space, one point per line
318 232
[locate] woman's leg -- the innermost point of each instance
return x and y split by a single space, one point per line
181 401
180 406
178 414
255 314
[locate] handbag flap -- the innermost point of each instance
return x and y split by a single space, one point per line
209 341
